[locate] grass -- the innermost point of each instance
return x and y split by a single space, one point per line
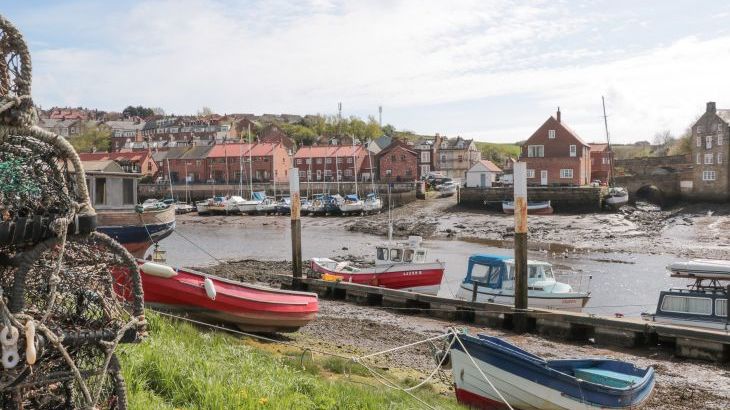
182 367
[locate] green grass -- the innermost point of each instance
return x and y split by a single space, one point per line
182 367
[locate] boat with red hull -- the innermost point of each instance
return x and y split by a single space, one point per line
214 299
400 266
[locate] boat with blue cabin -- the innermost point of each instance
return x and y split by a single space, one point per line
703 303
495 279
529 382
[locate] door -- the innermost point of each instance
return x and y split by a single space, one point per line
543 177
483 180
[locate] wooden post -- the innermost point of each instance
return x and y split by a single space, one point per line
474 290
520 186
296 224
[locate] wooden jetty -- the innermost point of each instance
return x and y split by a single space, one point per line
688 342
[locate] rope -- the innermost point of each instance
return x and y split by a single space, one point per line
197 246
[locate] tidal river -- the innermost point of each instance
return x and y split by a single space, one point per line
621 282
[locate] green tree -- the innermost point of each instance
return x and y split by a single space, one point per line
372 131
389 130
137 111
205 111
92 139
301 134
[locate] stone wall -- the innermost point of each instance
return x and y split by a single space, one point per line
563 199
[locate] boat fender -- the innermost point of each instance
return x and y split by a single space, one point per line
9 340
30 351
157 269
209 288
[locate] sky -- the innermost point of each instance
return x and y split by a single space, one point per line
489 70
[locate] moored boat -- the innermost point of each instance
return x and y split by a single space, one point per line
249 206
529 382
225 204
251 308
372 204
703 303
266 206
183 208
351 205
447 188
397 266
283 207
616 197
533 207
495 276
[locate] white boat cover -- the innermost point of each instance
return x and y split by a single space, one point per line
701 268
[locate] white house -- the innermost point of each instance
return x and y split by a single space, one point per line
482 174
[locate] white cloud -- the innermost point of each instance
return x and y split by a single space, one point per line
286 56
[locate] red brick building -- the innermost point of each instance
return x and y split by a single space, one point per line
601 159
333 162
177 162
141 162
555 155
398 162
268 162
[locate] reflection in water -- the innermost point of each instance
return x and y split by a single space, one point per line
621 283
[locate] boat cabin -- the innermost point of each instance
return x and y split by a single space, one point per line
698 303
405 252
498 272
109 186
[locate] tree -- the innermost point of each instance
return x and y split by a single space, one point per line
372 131
92 139
205 111
299 133
137 111
389 130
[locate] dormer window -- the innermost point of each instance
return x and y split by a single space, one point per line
551 134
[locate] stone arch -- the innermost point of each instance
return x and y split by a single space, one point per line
650 193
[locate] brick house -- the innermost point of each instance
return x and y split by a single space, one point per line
124 133
454 156
269 162
424 149
138 162
601 158
397 162
63 127
710 156
274 135
555 155
328 162
190 161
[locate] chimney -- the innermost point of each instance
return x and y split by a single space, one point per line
558 115
711 107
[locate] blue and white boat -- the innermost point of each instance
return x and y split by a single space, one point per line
703 303
372 204
495 276
529 382
351 205
283 207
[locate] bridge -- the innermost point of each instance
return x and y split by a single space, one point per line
655 179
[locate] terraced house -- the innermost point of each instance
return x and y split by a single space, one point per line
454 156
710 156
333 163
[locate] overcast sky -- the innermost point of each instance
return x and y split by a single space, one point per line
492 70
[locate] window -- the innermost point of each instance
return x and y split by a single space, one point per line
531 173
479 273
420 256
392 158
687 304
699 158
99 191
302 174
425 169
443 157
382 254
425 156
339 174
128 191
566 173
719 127
551 134
719 139
605 161
308 161
573 150
348 172
709 175
699 141
197 162
709 142
349 160
388 172
319 175
708 159
319 160
721 307
339 160
395 255
461 158
327 173
699 129
402 157
408 255
719 157
409 172
534 151
328 160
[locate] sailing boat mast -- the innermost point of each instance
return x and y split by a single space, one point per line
354 163
172 194
372 177
250 164
608 141
240 165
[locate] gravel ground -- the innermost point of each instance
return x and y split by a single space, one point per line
352 329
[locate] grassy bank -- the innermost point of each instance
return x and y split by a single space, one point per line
180 366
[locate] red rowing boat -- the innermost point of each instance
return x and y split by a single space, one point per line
400 266
214 299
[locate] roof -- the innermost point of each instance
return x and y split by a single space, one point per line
234 150
724 115
99 166
453 142
159 155
384 141
49 123
125 125
489 165
487 259
598 147
395 144
196 152
329 151
114 156
570 131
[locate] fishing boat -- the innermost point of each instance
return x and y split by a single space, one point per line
251 308
372 204
616 197
533 207
401 266
248 206
495 279
266 206
529 382
225 204
447 188
352 204
704 303
283 207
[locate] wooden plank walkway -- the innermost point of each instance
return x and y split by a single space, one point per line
689 342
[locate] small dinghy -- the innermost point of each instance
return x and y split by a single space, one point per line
529 382
213 299
616 197
533 207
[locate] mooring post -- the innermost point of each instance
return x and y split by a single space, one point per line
520 193
296 225
474 291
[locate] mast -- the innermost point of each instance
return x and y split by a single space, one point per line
337 169
187 191
240 166
225 155
354 164
309 174
608 141
172 194
372 177
250 164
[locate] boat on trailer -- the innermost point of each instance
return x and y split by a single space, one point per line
533 207
398 265
703 303
529 382
251 308
495 278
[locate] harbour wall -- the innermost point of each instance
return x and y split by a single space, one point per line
401 193
563 199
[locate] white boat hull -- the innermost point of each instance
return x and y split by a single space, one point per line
248 206
373 206
352 207
572 301
649 317
202 208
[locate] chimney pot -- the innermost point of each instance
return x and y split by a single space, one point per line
711 108
558 115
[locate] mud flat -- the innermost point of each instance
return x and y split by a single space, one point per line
353 329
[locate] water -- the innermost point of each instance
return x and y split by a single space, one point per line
621 283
